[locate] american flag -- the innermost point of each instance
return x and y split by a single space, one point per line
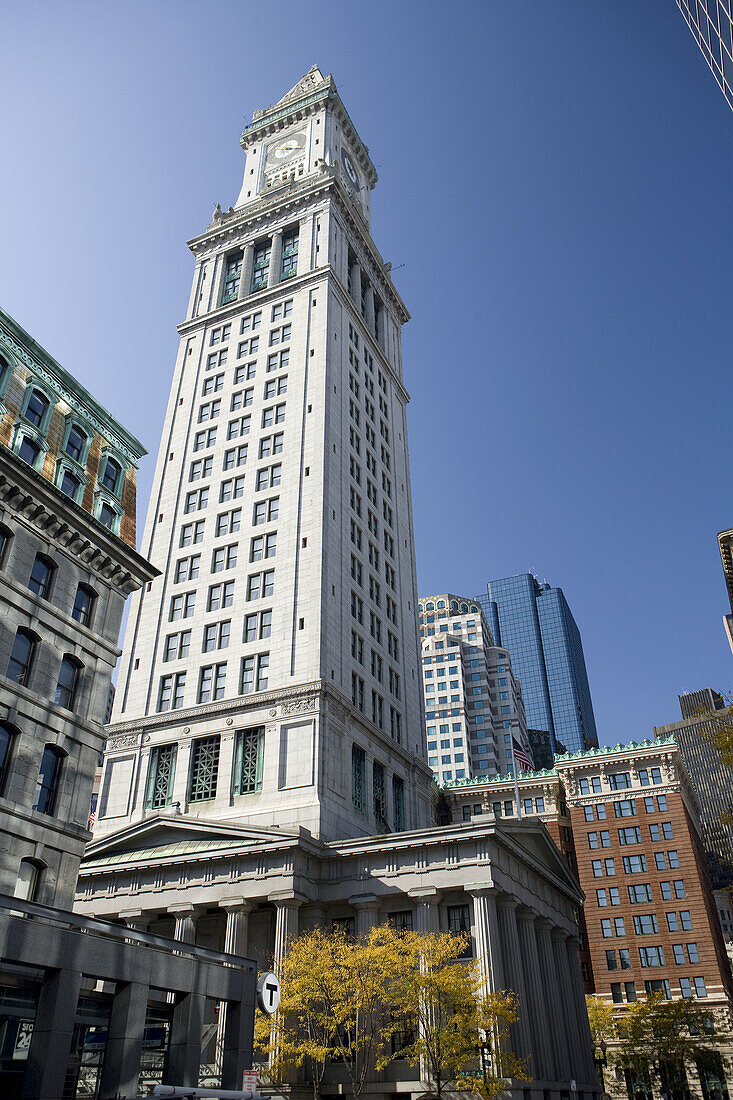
522 758
92 819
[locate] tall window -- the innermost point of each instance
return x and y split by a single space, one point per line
398 803
49 775
459 923
379 793
75 443
7 735
6 537
29 450
358 778
111 475
107 516
204 768
36 408
289 263
28 881
21 657
70 484
83 604
68 682
249 751
161 772
171 690
261 266
41 576
231 279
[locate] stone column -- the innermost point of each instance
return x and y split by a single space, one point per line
537 1019
514 978
286 924
237 926
427 899
585 1048
121 1067
367 912
567 1017
356 285
245 279
551 1004
276 252
221 268
136 919
48 1056
185 929
312 917
369 308
488 943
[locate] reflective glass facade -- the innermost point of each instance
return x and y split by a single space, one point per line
533 621
711 26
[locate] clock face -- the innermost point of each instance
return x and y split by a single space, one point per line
350 169
285 149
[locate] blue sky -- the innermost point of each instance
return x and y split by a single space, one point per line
554 196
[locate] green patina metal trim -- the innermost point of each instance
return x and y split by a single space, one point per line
605 750
543 773
71 390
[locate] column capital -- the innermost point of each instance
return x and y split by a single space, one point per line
236 905
287 899
506 901
182 910
487 890
364 901
526 914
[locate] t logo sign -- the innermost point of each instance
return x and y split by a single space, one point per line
268 992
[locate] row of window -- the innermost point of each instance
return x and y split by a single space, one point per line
203 768
619 781
379 790
676 922
652 956
49 772
636 864
640 892
631 835
626 807
253 676
627 990
22 659
260 266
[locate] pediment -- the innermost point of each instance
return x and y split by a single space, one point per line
306 84
538 844
161 838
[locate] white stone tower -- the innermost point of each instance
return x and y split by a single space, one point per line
270 675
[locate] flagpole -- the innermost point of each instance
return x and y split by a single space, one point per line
516 782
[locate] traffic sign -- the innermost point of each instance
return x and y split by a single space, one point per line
268 992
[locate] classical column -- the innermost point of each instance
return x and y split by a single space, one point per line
488 943
426 899
185 929
367 912
585 1049
312 917
237 926
276 252
48 1056
551 1004
369 307
568 1020
286 924
514 978
245 279
220 273
535 1009
135 919
355 274
121 1067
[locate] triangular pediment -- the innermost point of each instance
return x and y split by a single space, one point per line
161 837
306 84
539 845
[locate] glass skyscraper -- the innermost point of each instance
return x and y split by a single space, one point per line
533 621
712 28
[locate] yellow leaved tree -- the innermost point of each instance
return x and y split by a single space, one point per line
363 1003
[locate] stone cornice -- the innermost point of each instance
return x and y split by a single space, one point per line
37 360
58 518
633 748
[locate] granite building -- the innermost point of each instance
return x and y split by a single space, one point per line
266 768
473 702
67 564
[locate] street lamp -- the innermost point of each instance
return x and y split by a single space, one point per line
601 1060
485 1052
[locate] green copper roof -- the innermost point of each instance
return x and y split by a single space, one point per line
606 750
486 781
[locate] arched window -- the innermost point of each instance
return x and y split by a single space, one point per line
36 408
84 601
70 484
69 676
107 516
29 880
429 607
474 609
49 775
76 442
464 607
41 576
111 475
441 604
7 736
21 657
6 537
453 605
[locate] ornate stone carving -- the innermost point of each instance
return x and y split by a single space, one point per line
125 741
299 706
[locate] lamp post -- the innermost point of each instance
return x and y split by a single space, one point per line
601 1060
485 1052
